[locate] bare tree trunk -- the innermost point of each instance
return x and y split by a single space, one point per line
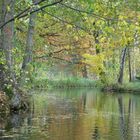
29 43
129 64
122 62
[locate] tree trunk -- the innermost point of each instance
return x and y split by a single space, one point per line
133 57
1 66
129 65
133 66
122 62
84 71
29 42
8 39
7 73
7 45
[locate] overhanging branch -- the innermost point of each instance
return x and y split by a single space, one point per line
23 14
70 23
97 15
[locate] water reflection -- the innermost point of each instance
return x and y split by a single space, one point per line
75 115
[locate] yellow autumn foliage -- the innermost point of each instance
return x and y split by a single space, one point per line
95 62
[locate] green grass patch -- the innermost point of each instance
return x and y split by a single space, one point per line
70 82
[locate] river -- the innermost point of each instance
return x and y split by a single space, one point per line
75 114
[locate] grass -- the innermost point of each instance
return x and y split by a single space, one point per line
70 82
125 87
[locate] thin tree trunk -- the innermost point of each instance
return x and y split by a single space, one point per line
29 43
1 50
84 71
130 66
133 64
122 62
133 67
0 24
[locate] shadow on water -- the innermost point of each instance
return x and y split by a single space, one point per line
75 115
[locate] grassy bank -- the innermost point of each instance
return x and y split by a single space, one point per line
126 87
70 82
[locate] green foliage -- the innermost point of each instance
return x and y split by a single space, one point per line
81 33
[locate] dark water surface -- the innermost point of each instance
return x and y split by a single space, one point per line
75 115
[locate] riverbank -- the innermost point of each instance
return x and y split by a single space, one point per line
126 87
76 82
64 83
14 103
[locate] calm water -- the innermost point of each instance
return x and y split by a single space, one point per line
75 115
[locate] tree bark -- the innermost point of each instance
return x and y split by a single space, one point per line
122 62
7 76
129 65
134 50
8 39
29 42
133 65
7 46
7 72
1 50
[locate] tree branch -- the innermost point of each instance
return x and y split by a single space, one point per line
70 23
86 12
96 15
21 14
62 59
59 51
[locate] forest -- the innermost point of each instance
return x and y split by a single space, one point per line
68 45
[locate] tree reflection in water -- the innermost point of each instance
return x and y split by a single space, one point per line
75 115
124 118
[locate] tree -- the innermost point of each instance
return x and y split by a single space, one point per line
29 43
7 35
122 62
